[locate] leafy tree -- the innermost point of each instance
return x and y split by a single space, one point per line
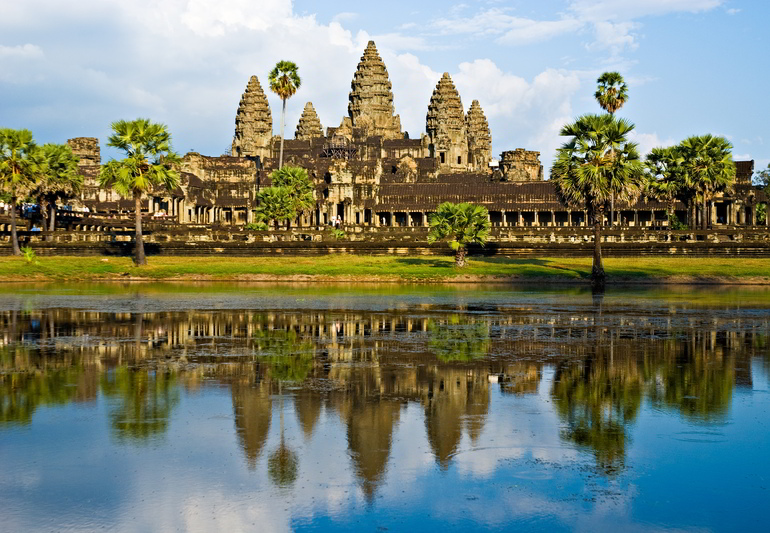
149 163
462 224
709 168
19 168
597 162
59 179
761 180
611 93
667 181
284 81
290 195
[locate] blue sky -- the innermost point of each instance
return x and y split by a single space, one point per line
693 66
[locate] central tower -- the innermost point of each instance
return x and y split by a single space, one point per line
370 103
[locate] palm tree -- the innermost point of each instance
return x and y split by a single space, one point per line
463 224
149 163
667 177
709 168
611 93
284 81
59 178
597 162
299 188
19 167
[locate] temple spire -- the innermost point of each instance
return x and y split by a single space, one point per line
253 123
479 137
445 126
371 97
309 126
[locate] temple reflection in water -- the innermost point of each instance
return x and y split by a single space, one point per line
366 368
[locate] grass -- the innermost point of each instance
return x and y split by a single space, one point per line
387 268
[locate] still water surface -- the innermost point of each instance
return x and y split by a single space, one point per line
274 408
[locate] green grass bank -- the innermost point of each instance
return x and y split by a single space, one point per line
356 268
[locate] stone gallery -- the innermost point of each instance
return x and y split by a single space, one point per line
369 172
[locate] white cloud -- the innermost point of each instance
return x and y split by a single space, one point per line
521 113
648 141
23 51
625 10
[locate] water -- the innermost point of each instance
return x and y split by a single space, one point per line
311 408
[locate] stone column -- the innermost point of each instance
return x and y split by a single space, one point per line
392 220
713 217
636 218
536 219
553 218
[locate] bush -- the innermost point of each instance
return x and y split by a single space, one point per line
256 226
675 224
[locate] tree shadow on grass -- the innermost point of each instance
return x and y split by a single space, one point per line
533 266
433 262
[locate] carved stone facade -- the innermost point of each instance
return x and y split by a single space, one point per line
479 137
309 125
370 104
87 148
447 138
253 123
521 165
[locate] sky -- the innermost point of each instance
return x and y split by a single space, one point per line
69 69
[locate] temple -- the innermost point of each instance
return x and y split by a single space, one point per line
370 173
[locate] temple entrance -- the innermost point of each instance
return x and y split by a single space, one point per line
341 211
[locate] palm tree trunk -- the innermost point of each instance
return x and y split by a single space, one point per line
283 121
704 213
612 207
598 277
43 203
14 236
139 257
52 227
460 257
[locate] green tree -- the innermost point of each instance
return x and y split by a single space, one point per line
462 224
761 180
284 81
597 162
611 93
290 195
709 168
665 167
149 163
19 169
59 179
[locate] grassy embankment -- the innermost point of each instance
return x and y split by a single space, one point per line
388 268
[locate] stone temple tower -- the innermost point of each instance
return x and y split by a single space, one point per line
309 126
479 137
447 137
253 123
371 97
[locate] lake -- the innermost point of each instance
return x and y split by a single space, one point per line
248 407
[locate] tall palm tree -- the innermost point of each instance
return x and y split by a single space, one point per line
149 163
59 178
596 162
611 93
284 81
462 224
708 166
19 166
